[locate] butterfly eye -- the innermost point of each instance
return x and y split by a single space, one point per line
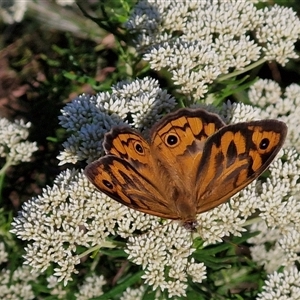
264 144
139 148
107 184
172 139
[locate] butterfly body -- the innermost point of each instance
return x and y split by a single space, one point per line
192 163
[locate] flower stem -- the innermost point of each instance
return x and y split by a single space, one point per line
238 72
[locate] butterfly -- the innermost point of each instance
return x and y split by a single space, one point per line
192 163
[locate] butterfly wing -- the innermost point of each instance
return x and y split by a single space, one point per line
128 174
177 142
235 156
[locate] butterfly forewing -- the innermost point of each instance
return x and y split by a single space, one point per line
178 140
234 157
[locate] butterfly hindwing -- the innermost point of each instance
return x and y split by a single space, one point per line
129 145
118 179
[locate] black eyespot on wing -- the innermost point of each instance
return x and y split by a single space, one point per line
264 144
139 148
172 139
108 184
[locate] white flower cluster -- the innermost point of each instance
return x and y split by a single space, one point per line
139 103
69 215
283 286
56 288
91 288
136 221
163 252
275 104
197 41
239 112
278 243
278 31
133 294
15 284
13 144
279 205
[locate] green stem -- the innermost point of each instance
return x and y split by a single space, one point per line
105 244
250 67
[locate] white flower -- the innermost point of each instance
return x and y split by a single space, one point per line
17 284
197 271
136 221
163 253
279 31
284 286
271 257
133 294
278 202
63 218
279 195
56 289
197 41
13 144
278 104
239 112
265 92
92 287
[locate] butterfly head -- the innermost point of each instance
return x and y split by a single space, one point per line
190 225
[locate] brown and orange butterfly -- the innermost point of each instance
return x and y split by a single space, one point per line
192 163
